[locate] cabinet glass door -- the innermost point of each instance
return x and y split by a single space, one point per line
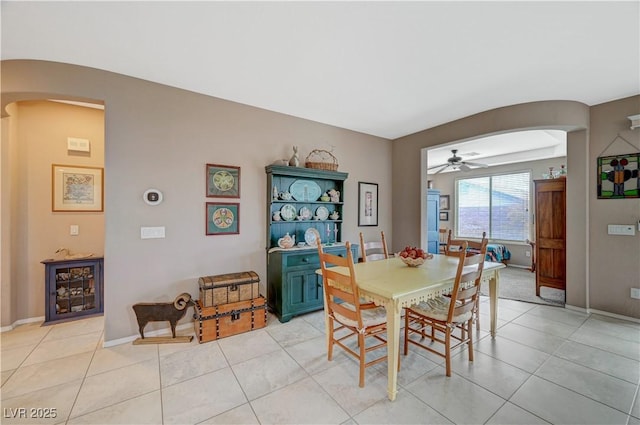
74 290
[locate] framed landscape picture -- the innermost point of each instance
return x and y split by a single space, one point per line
222 218
76 188
223 181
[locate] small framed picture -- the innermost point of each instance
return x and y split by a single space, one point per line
222 218
76 189
444 215
223 181
367 204
444 202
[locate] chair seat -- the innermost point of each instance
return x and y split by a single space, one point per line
370 317
438 309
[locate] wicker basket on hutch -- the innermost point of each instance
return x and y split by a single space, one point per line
321 159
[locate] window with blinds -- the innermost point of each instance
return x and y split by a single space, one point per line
498 205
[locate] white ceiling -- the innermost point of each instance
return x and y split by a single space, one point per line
383 68
503 149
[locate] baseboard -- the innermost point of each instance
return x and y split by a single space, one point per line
615 316
518 266
159 332
21 322
578 309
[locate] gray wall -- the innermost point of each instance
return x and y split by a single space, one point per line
614 261
158 136
162 137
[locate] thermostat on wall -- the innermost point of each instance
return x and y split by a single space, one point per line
152 196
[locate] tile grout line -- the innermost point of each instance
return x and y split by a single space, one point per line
75 400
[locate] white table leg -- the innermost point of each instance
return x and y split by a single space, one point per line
494 285
393 348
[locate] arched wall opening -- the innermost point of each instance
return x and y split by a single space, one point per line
410 176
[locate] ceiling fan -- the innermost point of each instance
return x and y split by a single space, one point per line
457 163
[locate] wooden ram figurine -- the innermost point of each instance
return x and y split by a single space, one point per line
160 312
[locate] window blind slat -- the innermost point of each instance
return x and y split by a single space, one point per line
498 205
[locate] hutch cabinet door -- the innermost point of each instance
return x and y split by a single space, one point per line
303 292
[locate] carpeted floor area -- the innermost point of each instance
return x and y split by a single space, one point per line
520 284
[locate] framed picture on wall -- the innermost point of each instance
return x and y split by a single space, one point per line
618 176
222 218
76 188
444 202
444 216
367 204
223 181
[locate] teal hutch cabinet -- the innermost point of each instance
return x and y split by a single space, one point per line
295 204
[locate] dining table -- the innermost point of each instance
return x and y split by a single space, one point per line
394 285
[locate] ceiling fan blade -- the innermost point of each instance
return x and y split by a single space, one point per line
442 169
464 167
475 164
436 166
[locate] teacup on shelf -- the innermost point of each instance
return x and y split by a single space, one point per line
285 196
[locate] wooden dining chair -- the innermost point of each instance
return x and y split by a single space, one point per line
374 250
453 246
449 318
473 247
345 311
442 240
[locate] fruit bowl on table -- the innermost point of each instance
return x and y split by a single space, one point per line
413 262
414 257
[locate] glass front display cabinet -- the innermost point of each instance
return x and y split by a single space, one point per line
74 288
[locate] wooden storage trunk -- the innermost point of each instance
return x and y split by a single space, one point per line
223 320
228 288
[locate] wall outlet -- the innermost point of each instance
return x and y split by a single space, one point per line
635 293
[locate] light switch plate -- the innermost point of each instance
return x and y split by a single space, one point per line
74 230
78 145
621 229
152 232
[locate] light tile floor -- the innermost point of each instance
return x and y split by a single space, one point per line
546 365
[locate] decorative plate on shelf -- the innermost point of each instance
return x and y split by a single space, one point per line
305 213
305 190
310 237
288 212
322 213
